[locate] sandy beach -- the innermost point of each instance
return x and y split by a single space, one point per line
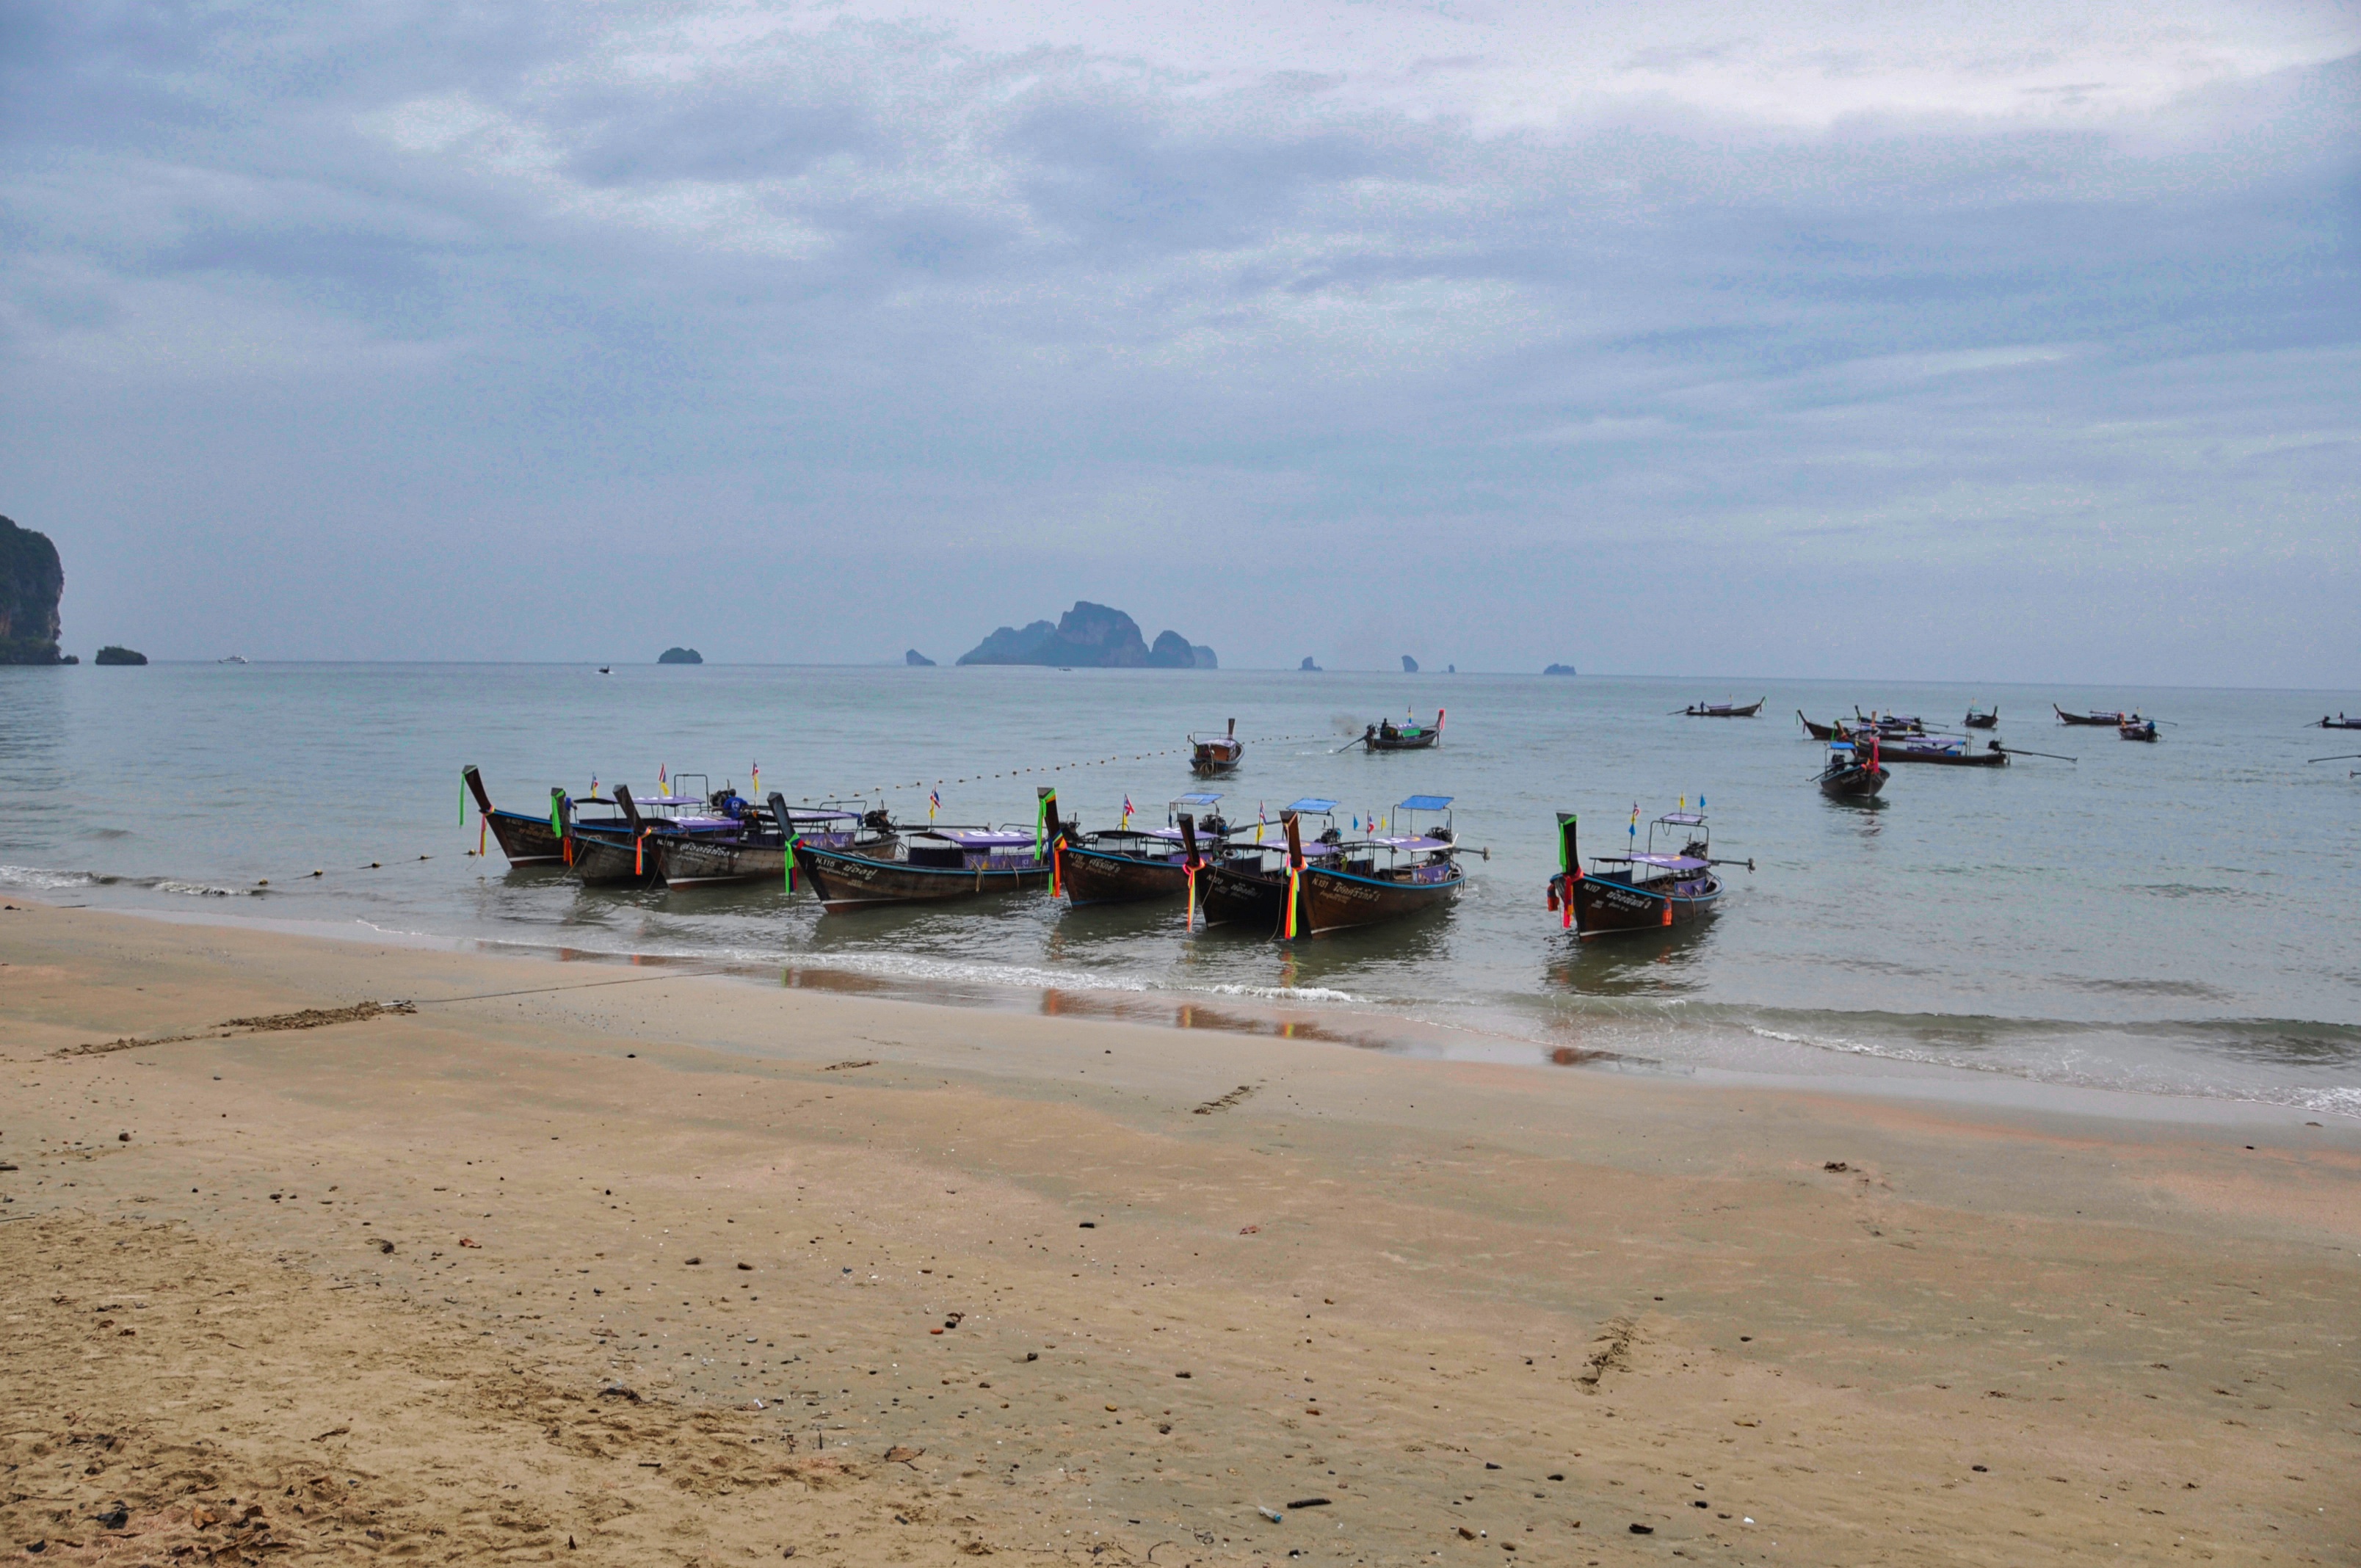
327 1250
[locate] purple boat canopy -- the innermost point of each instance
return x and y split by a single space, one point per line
983 837
1670 862
1420 845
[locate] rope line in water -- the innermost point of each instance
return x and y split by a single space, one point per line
1043 768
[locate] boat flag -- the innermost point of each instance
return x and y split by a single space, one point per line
1127 809
594 787
664 786
462 797
934 803
758 781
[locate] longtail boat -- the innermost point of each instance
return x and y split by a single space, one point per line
2094 718
2135 728
629 848
2339 722
1724 709
1979 719
1122 865
1889 723
1218 757
1387 736
1379 878
1819 731
1653 890
1851 774
525 839
1943 750
935 863
1250 888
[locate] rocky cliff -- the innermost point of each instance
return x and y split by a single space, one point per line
31 583
1089 636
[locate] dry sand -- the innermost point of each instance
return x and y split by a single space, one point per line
634 1267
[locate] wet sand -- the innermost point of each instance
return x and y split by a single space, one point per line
637 1266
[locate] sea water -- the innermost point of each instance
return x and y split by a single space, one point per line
2174 920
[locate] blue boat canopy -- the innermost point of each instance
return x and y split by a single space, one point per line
1196 800
1424 803
1308 804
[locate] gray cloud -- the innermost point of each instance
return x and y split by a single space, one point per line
395 329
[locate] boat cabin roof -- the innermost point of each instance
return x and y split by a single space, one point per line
804 813
1684 818
980 838
1197 798
1425 803
1417 844
1670 862
1311 805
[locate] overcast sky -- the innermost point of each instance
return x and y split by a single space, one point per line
1899 337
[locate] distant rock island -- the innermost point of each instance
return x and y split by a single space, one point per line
917 660
1559 670
680 657
31 583
1091 636
1410 665
114 654
1308 664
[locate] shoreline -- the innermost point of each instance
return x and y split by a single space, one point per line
1340 1020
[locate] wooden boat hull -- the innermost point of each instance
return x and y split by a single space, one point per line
2336 724
525 840
690 862
1853 784
1723 710
844 881
1889 755
2137 732
1338 900
2094 720
1817 731
1422 741
1606 906
1235 896
1983 720
602 858
1217 759
1097 876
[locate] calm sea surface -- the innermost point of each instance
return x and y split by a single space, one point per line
2177 919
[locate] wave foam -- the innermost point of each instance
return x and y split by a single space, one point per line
45 881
